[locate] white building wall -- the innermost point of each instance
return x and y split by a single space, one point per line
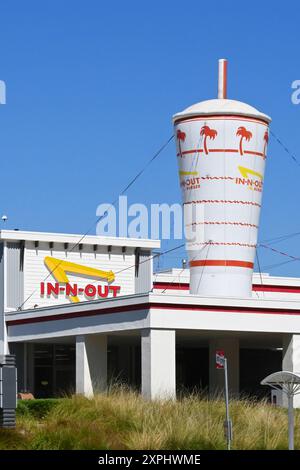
291 361
158 363
91 364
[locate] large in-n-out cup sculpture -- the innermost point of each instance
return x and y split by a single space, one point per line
221 151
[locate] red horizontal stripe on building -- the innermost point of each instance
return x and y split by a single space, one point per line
171 285
221 262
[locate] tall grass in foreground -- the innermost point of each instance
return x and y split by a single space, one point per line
124 420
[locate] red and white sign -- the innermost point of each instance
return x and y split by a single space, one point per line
60 270
220 356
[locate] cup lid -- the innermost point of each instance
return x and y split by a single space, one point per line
221 107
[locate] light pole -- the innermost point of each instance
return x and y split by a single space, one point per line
289 384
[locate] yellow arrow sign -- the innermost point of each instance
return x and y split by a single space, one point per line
59 269
188 173
247 171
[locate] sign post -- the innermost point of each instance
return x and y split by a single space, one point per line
221 363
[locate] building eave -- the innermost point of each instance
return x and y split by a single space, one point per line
17 235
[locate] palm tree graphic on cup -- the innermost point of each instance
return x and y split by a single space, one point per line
266 140
243 133
207 132
181 138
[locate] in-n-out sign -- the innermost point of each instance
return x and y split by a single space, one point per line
220 359
60 269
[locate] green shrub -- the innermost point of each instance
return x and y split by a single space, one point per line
38 408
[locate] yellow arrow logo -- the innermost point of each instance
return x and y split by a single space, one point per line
247 171
59 269
188 173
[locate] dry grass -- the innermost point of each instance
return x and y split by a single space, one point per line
123 420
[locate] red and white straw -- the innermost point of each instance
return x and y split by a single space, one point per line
222 83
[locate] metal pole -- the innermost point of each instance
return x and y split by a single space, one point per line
228 422
291 420
25 365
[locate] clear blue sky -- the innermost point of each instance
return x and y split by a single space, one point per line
92 86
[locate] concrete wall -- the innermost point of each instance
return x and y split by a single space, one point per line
14 274
143 272
91 364
158 363
291 361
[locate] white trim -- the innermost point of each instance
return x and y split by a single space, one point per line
169 317
77 238
62 309
136 299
